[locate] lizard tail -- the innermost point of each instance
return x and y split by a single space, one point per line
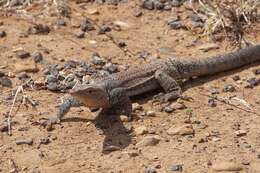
219 63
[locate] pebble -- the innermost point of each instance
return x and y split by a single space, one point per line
37 56
5 81
150 170
147 4
23 75
177 3
2 34
252 82
229 88
240 133
124 118
61 22
175 24
80 34
138 13
22 54
24 141
3 127
141 130
39 29
226 166
236 77
177 167
150 113
51 79
208 46
256 71
111 68
195 17
186 129
103 29
53 86
149 141
85 25
96 59
2 74
168 109
212 102
111 148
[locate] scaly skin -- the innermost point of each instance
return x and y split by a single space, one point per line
114 91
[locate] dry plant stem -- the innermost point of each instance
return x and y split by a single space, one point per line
9 119
222 100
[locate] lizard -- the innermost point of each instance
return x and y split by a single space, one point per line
113 93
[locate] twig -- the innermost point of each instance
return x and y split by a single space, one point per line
15 167
230 104
20 88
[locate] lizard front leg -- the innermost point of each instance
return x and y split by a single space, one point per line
67 103
169 85
120 102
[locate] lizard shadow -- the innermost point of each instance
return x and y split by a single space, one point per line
115 132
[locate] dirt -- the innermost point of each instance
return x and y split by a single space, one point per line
80 142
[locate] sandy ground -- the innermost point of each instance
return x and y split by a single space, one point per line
79 144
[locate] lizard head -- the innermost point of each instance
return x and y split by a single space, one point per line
93 96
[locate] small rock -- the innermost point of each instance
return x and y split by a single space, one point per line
37 56
256 71
121 44
24 141
85 25
158 5
2 34
80 34
111 68
61 22
150 113
39 29
252 82
147 4
240 133
141 130
177 167
97 60
124 118
3 128
175 24
111 148
93 11
195 17
149 141
22 54
2 74
208 46
226 166
168 109
229 88
103 29
23 76
236 77
212 102
150 170
53 86
177 3
5 81
186 129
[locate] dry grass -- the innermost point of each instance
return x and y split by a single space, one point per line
229 16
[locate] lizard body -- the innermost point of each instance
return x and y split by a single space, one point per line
113 92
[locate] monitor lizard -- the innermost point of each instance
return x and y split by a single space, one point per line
114 92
